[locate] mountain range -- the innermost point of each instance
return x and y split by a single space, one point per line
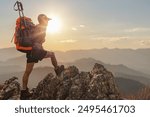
136 59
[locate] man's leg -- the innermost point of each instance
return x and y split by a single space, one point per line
58 69
53 58
29 68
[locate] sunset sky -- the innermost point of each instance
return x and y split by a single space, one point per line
84 24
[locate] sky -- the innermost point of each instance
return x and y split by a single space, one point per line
83 24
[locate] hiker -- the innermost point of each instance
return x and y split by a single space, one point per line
38 53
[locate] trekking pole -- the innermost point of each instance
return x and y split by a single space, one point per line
19 7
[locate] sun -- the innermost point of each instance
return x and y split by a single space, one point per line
54 25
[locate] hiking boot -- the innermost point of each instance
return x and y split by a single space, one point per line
59 70
25 94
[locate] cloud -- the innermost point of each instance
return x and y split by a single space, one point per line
68 41
142 29
74 29
111 39
82 26
77 27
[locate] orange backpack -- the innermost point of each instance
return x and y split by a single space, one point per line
24 33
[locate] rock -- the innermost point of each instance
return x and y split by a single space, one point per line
98 84
10 90
102 84
47 88
1 86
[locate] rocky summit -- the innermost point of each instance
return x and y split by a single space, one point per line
10 90
98 84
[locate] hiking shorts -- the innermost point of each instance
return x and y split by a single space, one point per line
35 55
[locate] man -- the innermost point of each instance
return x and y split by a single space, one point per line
38 53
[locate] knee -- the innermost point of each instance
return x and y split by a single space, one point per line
50 54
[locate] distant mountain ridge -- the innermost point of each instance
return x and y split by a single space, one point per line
80 59
8 53
138 59
83 64
5 69
118 70
135 59
128 86
36 75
